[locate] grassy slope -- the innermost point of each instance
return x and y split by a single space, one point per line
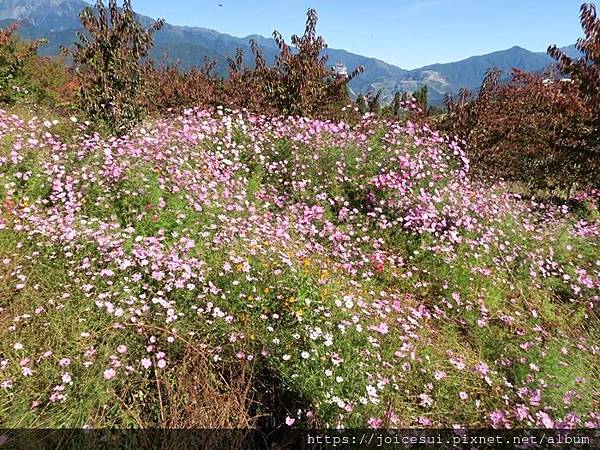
291 310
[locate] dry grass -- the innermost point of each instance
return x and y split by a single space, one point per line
201 395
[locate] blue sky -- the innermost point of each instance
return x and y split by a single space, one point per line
407 33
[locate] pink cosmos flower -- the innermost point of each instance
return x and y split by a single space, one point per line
382 328
375 423
458 363
438 375
543 419
424 421
497 418
521 411
426 400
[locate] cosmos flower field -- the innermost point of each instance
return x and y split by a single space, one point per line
222 269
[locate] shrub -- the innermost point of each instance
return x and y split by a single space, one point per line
109 64
168 88
584 71
585 75
540 130
528 130
51 82
299 83
248 87
15 54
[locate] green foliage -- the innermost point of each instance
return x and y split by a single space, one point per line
361 103
422 97
396 104
373 103
50 82
310 326
109 64
15 55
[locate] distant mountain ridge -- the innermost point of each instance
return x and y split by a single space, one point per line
58 20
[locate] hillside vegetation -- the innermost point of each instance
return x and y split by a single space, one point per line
293 268
287 261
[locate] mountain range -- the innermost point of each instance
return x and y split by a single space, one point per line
57 21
